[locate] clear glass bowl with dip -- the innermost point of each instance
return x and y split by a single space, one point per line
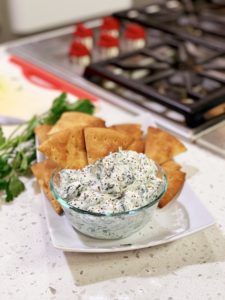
106 225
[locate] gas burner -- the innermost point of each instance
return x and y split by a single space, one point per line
182 76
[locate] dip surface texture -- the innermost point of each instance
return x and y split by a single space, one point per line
120 182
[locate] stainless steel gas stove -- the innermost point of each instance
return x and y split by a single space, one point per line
173 65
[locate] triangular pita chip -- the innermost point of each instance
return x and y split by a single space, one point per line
72 119
101 141
66 148
175 179
56 205
171 166
43 171
161 146
133 130
42 132
138 146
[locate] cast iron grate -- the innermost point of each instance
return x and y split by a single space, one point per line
197 21
184 76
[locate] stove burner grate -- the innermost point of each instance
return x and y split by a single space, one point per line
186 77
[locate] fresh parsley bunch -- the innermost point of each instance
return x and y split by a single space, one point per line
18 152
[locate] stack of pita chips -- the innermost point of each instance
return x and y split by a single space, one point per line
78 139
64 147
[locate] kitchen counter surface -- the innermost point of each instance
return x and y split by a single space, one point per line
190 268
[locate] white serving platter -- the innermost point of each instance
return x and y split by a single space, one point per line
182 217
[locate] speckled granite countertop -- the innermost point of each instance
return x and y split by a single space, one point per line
190 268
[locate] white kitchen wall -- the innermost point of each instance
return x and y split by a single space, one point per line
28 16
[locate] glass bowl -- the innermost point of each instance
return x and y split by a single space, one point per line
109 226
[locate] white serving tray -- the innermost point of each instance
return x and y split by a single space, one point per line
180 218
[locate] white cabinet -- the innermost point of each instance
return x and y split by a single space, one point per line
27 16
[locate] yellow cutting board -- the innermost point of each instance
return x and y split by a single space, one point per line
19 98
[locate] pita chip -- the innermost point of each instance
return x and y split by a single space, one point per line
138 146
79 119
133 130
66 148
43 171
101 141
175 179
42 132
171 166
161 146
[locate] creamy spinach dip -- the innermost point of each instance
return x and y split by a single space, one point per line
119 182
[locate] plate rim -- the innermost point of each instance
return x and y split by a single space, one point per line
128 247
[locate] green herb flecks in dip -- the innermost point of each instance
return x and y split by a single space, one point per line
119 182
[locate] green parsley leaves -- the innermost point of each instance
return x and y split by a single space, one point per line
18 152
61 105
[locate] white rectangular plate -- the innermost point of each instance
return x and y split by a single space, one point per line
178 219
